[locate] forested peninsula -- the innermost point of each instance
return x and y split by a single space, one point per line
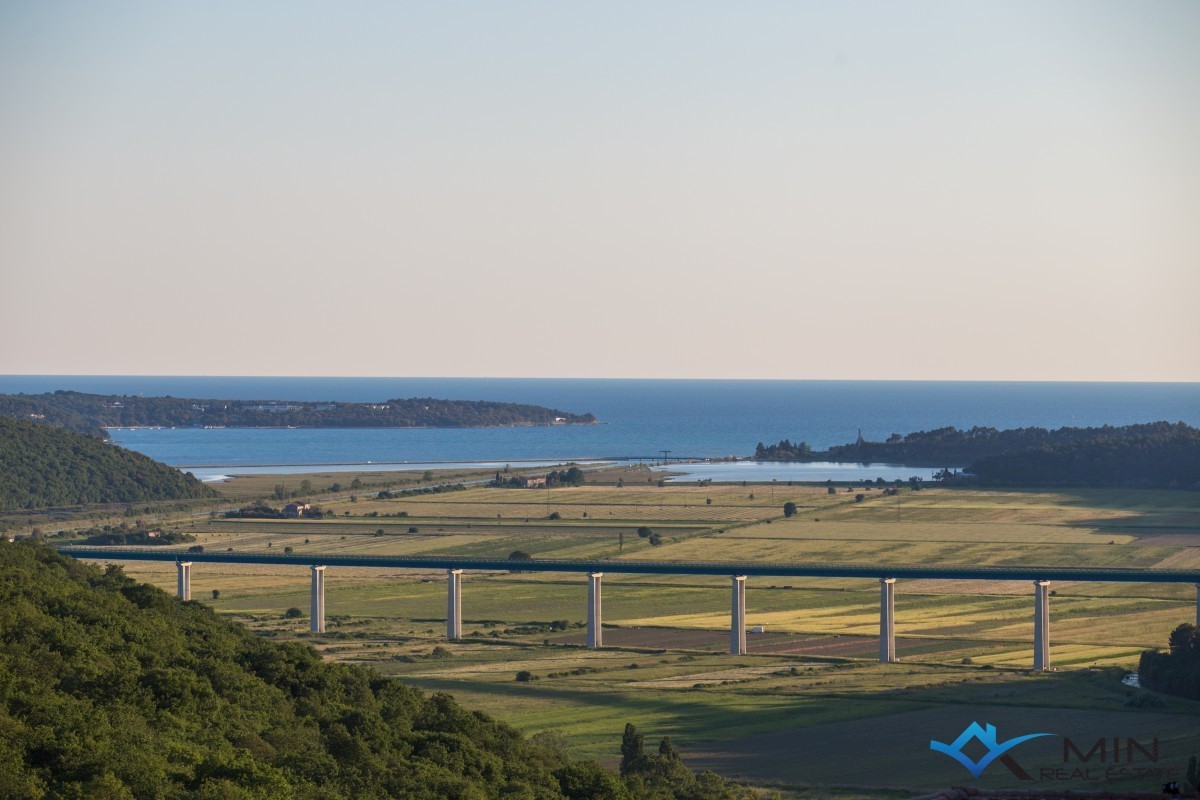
43 466
110 688
1152 455
92 413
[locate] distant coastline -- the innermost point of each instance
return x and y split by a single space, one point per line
96 413
705 419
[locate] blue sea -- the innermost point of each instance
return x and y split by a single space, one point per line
641 418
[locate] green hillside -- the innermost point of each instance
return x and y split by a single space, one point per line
44 466
114 689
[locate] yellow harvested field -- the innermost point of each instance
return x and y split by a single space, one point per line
902 530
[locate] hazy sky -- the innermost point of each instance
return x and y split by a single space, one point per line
958 190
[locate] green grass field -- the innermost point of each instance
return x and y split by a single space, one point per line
792 713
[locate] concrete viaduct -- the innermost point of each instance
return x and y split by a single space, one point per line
738 573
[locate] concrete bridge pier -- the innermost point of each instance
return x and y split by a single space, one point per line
183 579
317 602
737 621
454 604
1041 625
595 634
887 620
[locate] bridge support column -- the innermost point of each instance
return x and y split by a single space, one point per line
316 615
737 621
454 604
1041 625
595 634
183 580
887 620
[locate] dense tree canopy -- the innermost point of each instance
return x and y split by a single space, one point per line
89 413
113 689
43 466
1178 670
937 448
786 450
134 535
1156 454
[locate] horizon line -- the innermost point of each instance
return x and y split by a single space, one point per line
592 378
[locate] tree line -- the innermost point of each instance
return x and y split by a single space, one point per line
1176 671
43 466
140 535
572 476
940 447
1158 455
1151 455
123 691
261 509
92 413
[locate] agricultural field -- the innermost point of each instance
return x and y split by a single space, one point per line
796 711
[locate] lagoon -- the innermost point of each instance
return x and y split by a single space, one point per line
806 472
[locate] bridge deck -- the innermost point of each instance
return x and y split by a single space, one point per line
1000 573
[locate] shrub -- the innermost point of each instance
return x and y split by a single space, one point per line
1145 700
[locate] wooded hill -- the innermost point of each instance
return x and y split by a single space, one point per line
42 466
1157 454
91 413
113 689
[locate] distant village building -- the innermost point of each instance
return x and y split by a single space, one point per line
534 483
151 534
296 510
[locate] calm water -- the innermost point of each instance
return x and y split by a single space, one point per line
765 471
643 417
